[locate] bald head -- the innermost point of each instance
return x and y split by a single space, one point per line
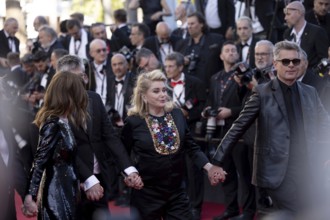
163 31
296 5
119 65
98 51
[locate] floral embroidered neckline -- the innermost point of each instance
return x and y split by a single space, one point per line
164 134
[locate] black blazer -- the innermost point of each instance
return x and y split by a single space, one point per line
231 97
250 52
127 91
226 13
208 58
314 41
272 146
195 94
166 171
66 43
310 17
152 43
92 81
99 139
4 45
120 38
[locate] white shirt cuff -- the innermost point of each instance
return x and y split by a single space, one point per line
130 170
90 182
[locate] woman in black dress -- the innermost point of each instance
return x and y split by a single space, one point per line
158 138
53 183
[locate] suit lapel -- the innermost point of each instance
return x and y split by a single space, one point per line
279 98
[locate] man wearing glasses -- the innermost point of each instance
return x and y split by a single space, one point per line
292 124
101 68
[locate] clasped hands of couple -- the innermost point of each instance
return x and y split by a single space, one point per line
215 174
95 193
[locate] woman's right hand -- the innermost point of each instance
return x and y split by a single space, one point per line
29 208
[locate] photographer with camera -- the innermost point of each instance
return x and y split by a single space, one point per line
223 107
201 49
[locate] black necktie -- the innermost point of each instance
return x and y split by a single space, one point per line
119 82
293 37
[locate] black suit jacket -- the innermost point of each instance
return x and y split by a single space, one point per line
231 98
152 43
100 140
92 81
250 52
325 24
67 39
127 92
272 146
4 45
208 57
314 41
120 38
226 13
195 94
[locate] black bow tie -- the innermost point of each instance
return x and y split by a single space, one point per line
10 38
245 45
119 82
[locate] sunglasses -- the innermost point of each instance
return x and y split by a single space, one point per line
286 62
101 50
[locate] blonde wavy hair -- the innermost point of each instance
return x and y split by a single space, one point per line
143 83
65 95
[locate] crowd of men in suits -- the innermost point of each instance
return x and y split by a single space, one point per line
202 59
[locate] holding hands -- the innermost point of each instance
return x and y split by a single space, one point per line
134 180
29 208
215 174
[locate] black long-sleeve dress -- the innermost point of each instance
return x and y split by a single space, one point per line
158 146
53 173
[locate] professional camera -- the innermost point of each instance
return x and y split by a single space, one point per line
193 61
211 124
243 71
128 54
322 68
262 75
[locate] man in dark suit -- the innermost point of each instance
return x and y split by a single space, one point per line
9 43
120 88
181 11
120 30
201 49
291 139
162 43
78 39
225 99
311 38
223 10
320 15
47 39
101 68
188 94
246 40
120 91
96 144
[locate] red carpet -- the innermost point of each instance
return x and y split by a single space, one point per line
209 210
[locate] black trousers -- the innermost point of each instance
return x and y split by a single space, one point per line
159 203
239 164
95 210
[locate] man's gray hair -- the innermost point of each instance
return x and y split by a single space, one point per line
285 45
69 63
